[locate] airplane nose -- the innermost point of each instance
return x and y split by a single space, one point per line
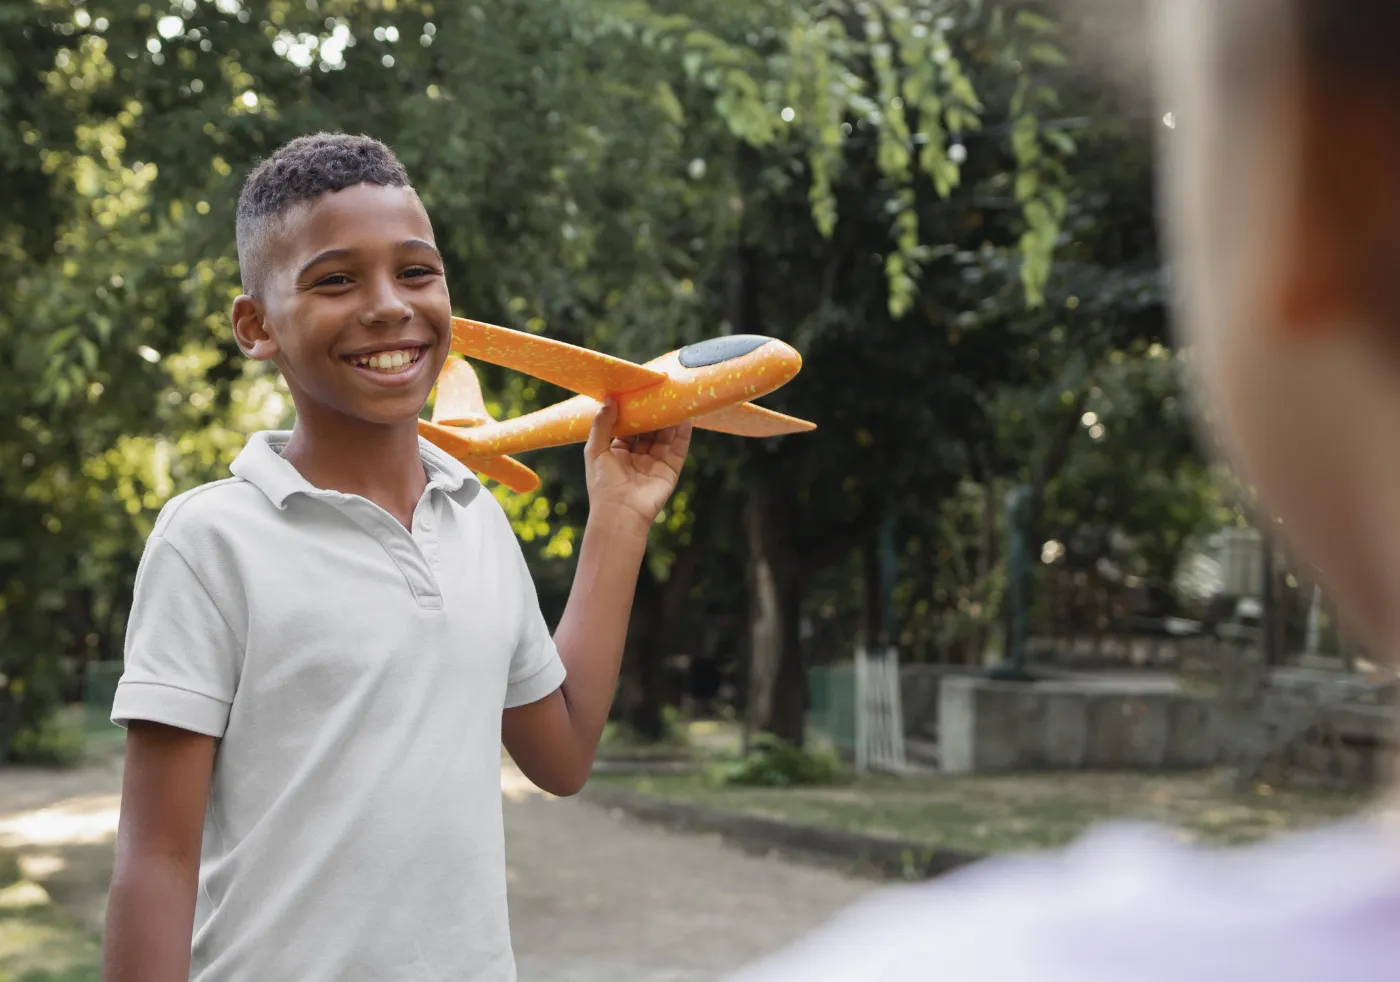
780 362
782 356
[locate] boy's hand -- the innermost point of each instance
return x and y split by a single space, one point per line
633 476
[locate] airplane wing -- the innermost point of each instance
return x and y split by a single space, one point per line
746 419
588 373
459 401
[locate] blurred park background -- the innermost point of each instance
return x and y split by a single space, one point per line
1002 594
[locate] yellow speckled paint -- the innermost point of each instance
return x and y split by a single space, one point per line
661 393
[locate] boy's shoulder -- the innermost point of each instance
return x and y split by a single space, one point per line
228 509
220 508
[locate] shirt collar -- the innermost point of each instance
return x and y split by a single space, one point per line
260 463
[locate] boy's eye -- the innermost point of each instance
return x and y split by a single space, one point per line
419 271
334 279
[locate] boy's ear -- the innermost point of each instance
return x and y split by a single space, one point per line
1341 248
250 329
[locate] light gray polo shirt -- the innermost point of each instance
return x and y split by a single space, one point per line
355 674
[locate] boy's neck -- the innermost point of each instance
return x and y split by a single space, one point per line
382 463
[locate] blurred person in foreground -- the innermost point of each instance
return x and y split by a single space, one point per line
1281 213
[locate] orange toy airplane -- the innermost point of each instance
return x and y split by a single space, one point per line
709 383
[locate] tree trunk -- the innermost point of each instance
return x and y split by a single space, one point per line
765 631
777 697
658 623
987 548
638 698
873 627
790 696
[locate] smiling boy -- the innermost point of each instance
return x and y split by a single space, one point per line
327 650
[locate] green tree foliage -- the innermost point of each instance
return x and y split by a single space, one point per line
115 400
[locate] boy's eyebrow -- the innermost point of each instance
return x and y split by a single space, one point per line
420 244
342 253
322 257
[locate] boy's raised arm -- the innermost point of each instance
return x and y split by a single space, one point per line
554 739
150 911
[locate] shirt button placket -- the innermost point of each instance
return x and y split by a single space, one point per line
423 534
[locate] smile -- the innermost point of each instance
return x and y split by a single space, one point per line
394 362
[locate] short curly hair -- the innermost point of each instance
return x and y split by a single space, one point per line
302 170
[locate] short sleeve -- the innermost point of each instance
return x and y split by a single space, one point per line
182 658
536 669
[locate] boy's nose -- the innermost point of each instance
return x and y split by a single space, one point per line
385 307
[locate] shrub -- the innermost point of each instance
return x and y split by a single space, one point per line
56 742
774 763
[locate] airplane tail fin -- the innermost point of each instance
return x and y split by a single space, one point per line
459 401
507 470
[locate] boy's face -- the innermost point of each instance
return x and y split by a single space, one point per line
354 309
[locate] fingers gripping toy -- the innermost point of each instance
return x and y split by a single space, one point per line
708 383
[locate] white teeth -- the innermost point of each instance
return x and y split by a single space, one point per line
388 361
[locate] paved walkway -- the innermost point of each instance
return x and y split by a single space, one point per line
595 897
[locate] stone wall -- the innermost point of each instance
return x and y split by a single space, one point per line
989 727
919 687
1322 727
1142 722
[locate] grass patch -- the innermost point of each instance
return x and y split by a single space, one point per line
1012 813
39 943
698 739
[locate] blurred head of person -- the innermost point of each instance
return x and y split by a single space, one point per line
1280 184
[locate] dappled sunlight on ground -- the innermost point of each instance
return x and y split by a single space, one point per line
84 820
41 866
24 894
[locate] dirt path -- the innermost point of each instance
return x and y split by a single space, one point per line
62 824
595 897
